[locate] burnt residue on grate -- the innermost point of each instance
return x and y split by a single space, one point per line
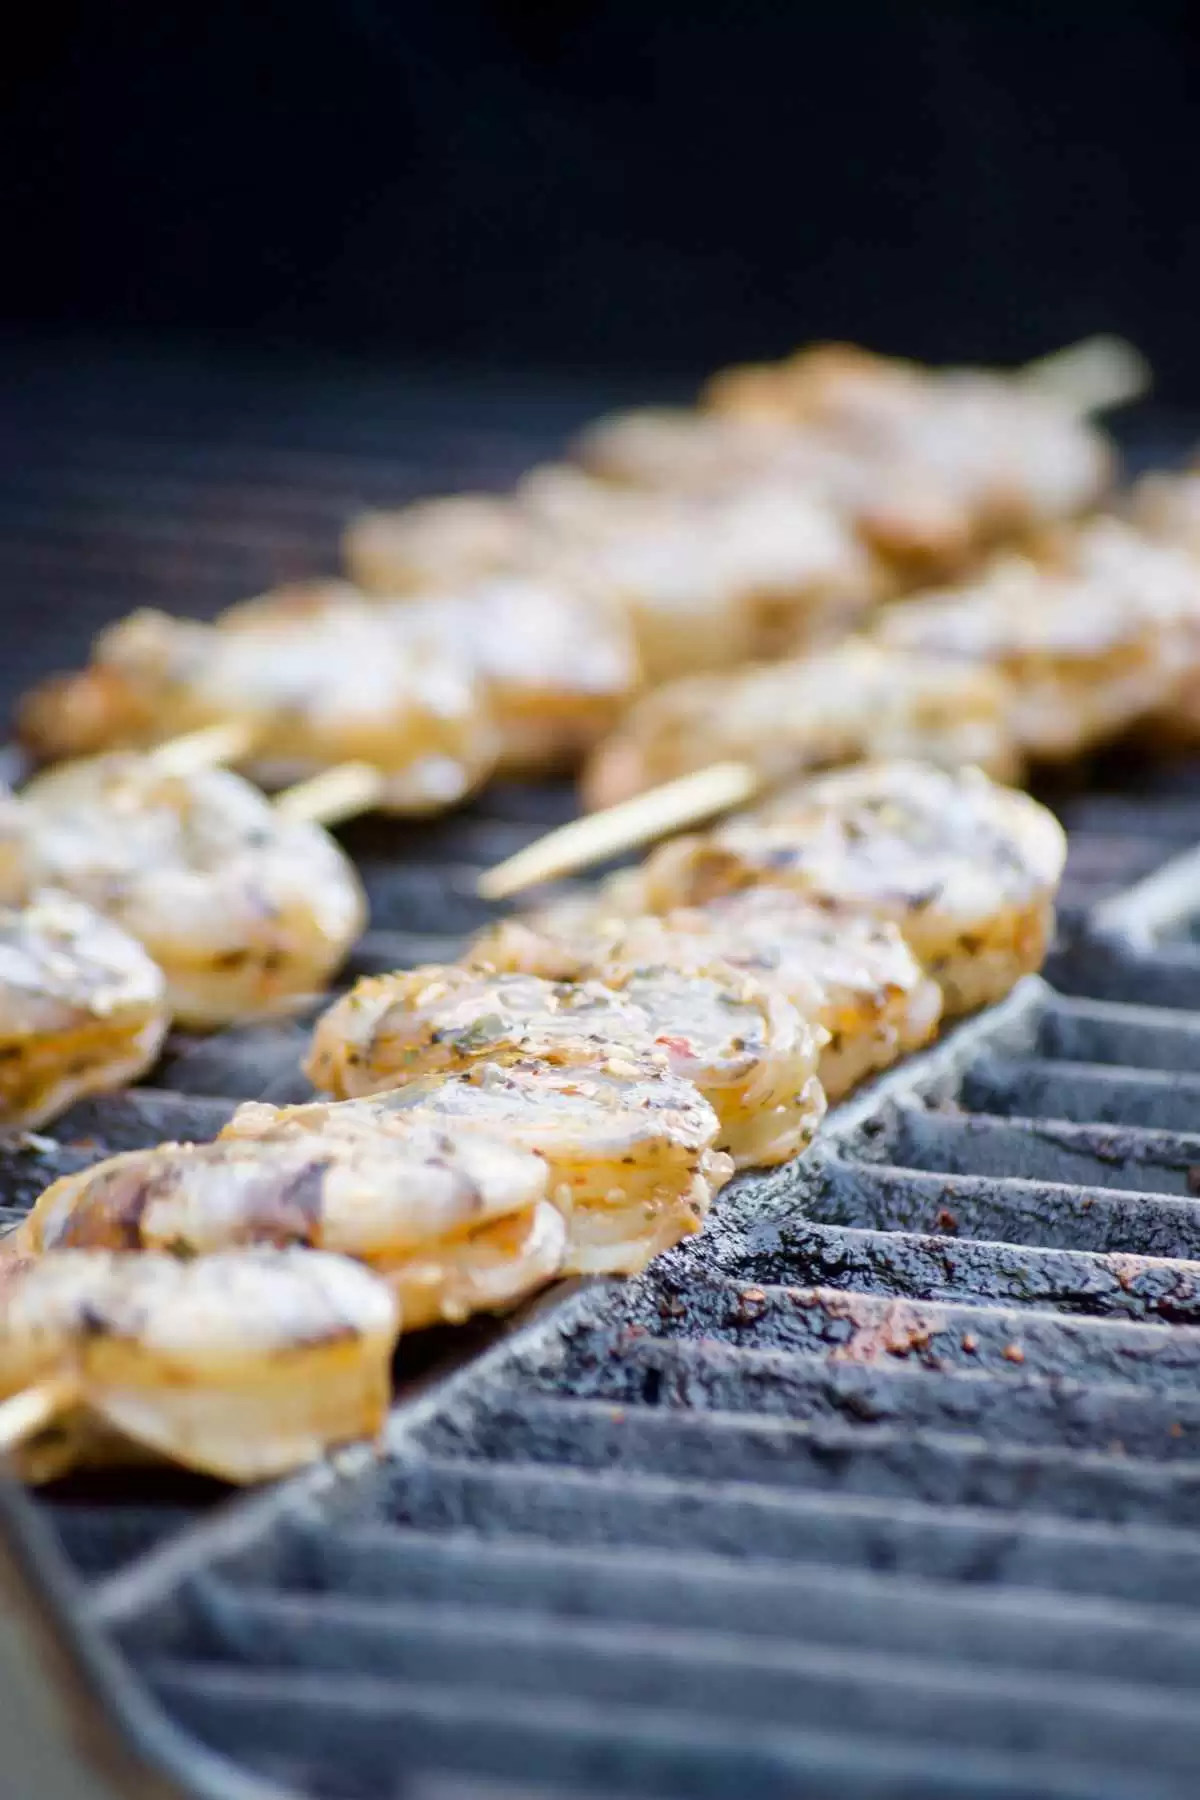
885 1485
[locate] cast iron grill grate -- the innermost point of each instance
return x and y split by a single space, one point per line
885 1487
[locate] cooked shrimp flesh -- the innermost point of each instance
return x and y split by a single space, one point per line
967 870
1013 457
629 1146
246 912
241 1365
558 664
322 676
745 1048
450 1225
82 1007
790 718
444 542
1089 646
849 974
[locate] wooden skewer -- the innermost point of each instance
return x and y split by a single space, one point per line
338 793
31 1411
228 741
1093 376
654 814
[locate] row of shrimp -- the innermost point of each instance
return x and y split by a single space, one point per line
515 632
481 634
568 1099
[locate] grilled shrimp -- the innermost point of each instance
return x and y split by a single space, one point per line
702 580
1089 646
968 871
82 1007
1166 506
629 1145
558 664
245 912
790 718
323 676
907 518
1012 457
711 580
241 1365
446 542
745 1048
850 975
452 1226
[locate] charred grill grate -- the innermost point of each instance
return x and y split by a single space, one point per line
886 1486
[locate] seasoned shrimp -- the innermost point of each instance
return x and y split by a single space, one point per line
323 676
850 975
452 1226
629 1145
82 1007
701 580
245 911
790 718
1013 457
968 871
445 542
558 664
745 1048
242 1365
710 582
902 514
1089 646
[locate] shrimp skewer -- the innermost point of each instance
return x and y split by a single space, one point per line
454 1227
1105 634
745 1047
246 911
966 870
850 975
82 1007
241 1365
629 1146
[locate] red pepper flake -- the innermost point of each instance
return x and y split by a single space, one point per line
970 1344
946 1220
1013 1353
678 1046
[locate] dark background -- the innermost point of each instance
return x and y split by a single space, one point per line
617 185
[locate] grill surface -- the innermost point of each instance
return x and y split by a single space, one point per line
886 1486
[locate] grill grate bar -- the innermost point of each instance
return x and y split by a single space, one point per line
682 1589
510 1427
866 1328
1011 1408
855 1531
1087 1093
1055 1215
753 1679
351 1725
943 1262
1129 1158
